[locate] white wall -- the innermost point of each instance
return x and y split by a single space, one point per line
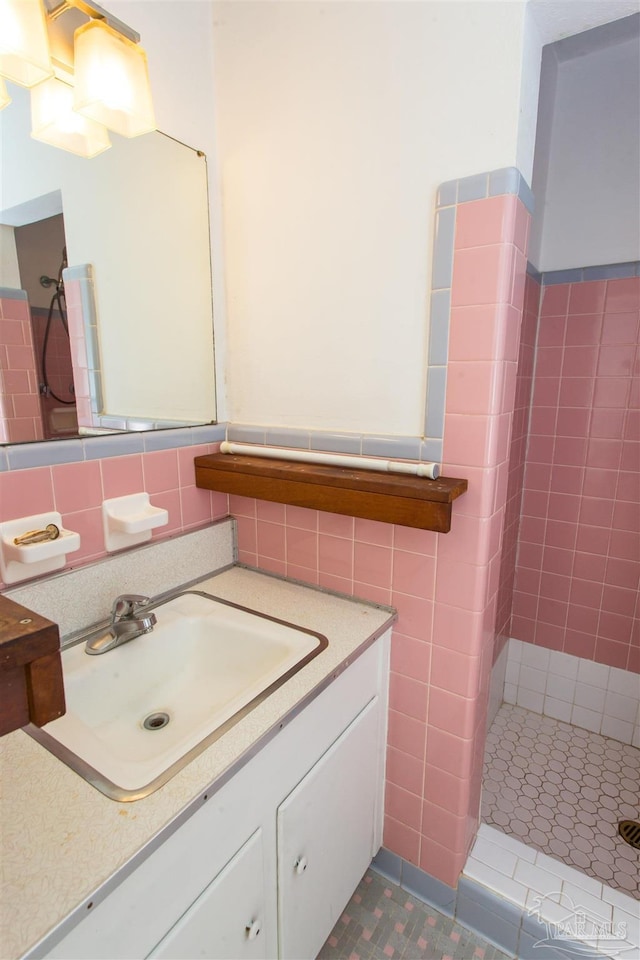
9 270
587 171
337 123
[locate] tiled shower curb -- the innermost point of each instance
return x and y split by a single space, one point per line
518 915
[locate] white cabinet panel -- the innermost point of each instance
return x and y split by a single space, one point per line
326 837
227 921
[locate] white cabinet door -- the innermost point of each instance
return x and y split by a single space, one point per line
326 835
227 920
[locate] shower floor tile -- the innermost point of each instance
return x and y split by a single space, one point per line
562 790
384 922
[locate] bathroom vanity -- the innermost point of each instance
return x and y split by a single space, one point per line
252 850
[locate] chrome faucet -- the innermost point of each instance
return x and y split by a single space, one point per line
129 619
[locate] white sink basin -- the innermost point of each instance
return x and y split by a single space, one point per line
203 667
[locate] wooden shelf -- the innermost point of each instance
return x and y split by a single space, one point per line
31 685
392 498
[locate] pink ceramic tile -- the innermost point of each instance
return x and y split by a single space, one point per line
88 523
623 295
612 653
410 657
552 611
371 531
219 505
586 593
615 360
615 626
335 556
25 492
554 586
440 862
555 300
619 600
196 506
160 471
564 506
331 582
368 591
415 541
271 540
579 644
482 222
413 574
551 332
242 506
583 619
168 500
576 392
468 440
403 806
457 629
580 361
77 486
250 559
445 790
247 534
271 512
401 840
477 332
405 771
122 476
623 573
626 512
302 547
482 275
272 565
408 696
620 328
336 525
605 454
624 544
449 753
186 466
407 734
301 517
593 539
304 574
415 616
521 229
589 566
596 512
472 387
587 297
558 561
450 712
583 329
372 564
443 826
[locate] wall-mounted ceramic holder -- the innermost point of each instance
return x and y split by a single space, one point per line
129 520
22 561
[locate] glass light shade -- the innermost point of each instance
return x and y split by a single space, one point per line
5 99
24 44
54 121
112 80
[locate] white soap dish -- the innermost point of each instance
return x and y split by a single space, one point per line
21 561
129 520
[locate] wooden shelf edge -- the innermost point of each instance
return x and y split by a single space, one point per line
390 498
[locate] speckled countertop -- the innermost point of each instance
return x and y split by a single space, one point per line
61 839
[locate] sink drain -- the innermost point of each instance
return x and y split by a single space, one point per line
156 721
629 830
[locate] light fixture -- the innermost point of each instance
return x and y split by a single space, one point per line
86 69
112 80
54 121
5 99
24 43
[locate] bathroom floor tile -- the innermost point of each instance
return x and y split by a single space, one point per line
563 790
384 922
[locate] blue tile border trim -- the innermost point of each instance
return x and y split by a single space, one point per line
494 183
605 271
475 906
11 293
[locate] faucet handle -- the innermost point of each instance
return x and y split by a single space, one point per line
125 606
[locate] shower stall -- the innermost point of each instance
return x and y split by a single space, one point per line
562 762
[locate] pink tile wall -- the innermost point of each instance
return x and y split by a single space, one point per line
78 349
578 572
517 455
20 418
445 587
76 491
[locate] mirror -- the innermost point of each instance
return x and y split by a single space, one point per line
137 218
